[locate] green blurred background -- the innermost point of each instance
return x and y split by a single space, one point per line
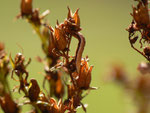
103 23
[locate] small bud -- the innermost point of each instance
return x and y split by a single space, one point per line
34 90
60 38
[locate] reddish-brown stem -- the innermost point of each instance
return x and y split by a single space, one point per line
68 48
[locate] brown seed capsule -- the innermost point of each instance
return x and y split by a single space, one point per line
140 15
84 79
48 37
26 7
60 38
74 18
34 90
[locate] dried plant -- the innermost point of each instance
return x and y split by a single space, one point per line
57 62
139 87
140 28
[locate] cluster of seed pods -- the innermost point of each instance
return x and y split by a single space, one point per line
57 63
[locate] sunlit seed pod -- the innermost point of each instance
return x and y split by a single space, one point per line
60 39
76 18
34 90
84 78
26 7
141 15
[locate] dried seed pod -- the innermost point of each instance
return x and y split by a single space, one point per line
84 78
34 90
48 41
140 15
72 24
74 18
60 38
26 7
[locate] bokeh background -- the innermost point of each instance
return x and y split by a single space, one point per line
103 23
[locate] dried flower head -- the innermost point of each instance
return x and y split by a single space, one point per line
139 28
34 90
60 38
84 77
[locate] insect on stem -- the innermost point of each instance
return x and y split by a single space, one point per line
79 50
